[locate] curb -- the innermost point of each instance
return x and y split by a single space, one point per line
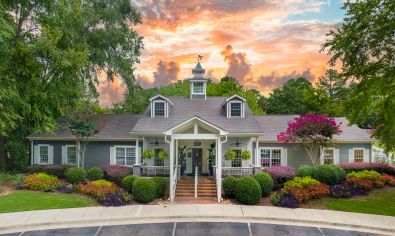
165 219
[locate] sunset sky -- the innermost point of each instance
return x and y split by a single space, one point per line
261 43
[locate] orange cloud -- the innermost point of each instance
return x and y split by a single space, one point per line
239 66
110 91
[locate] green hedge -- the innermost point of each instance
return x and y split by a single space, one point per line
127 183
160 185
94 173
144 190
75 174
247 190
229 186
328 174
266 182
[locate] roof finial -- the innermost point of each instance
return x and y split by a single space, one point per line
198 71
199 57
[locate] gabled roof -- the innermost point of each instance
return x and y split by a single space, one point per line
110 127
272 125
233 97
211 110
221 131
162 97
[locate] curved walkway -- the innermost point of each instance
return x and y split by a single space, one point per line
137 214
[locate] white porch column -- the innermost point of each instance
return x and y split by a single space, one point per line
138 161
172 170
219 169
257 157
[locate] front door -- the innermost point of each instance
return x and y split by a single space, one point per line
197 160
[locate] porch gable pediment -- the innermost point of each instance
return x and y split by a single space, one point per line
195 125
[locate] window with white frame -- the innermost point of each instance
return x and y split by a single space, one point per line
328 156
270 157
125 156
44 154
358 155
160 108
235 109
71 154
237 162
198 88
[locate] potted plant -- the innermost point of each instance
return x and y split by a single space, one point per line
211 158
162 155
230 155
245 155
147 154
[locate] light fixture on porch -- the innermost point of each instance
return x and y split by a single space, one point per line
157 143
197 143
236 144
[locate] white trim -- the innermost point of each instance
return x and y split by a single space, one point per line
193 88
65 159
50 155
356 149
229 113
232 97
31 152
162 97
153 107
283 158
170 131
322 158
113 156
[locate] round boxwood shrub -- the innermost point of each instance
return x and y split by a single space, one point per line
160 185
94 173
329 174
229 186
305 170
265 181
144 190
75 174
127 183
247 190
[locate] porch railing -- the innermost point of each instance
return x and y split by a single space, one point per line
237 171
155 170
174 182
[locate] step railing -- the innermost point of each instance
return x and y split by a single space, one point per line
196 181
174 182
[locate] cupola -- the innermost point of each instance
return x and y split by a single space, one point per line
198 83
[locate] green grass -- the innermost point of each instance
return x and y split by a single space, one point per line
28 200
380 202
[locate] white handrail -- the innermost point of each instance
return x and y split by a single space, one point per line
175 180
196 180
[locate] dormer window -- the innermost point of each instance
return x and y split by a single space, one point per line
159 108
235 109
198 88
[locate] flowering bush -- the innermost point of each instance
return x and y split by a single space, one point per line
360 186
388 179
341 190
40 182
97 188
55 170
284 199
116 173
280 175
117 198
310 132
376 166
306 188
366 179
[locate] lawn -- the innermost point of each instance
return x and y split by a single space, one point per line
28 200
380 202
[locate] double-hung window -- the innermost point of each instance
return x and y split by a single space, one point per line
358 155
159 108
270 157
71 154
235 109
125 156
158 162
237 162
44 154
198 88
328 156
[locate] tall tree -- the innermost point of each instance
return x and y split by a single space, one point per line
365 44
289 99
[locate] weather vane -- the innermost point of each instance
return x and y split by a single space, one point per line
199 57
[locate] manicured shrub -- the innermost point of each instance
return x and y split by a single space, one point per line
117 198
329 174
127 183
280 175
365 174
305 170
284 199
382 168
40 182
265 181
75 175
55 170
388 179
116 173
229 186
306 188
144 190
97 188
247 190
94 173
160 185
341 191
366 179
359 186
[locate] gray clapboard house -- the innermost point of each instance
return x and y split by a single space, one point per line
207 127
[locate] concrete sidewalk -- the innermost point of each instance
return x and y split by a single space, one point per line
93 216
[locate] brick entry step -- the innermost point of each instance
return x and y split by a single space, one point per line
206 187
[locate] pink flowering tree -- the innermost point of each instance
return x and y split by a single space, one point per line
311 132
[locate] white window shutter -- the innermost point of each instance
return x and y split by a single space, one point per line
36 157
64 155
351 155
112 156
336 157
322 156
284 157
366 155
50 155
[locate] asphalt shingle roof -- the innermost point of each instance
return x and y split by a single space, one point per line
274 124
210 110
